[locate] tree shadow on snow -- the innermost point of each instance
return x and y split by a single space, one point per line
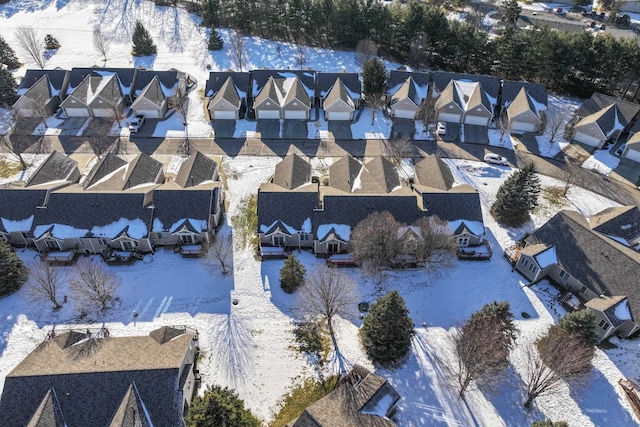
232 344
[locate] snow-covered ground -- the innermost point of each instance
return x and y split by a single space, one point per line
249 346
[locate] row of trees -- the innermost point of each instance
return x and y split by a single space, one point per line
420 35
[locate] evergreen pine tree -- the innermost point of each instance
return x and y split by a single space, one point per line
215 41
13 272
580 323
8 87
387 330
292 274
51 42
142 42
374 78
210 9
517 196
8 56
220 407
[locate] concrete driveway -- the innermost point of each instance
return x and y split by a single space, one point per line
294 129
224 128
340 129
452 135
402 128
268 128
476 134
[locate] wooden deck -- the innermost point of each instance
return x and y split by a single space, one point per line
480 252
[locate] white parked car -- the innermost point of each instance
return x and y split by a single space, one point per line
495 159
441 128
136 123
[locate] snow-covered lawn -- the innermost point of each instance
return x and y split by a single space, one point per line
558 107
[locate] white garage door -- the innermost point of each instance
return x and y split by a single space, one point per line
224 115
295 114
587 139
476 120
449 117
523 127
268 114
404 114
633 155
101 112
338 115
77 112
148 114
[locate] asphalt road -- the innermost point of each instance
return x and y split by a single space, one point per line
571 22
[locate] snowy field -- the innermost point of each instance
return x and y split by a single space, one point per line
249 346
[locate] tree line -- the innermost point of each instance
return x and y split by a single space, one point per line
419 35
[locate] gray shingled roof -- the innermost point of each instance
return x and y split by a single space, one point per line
168 79
218 78
398 77
433 172
490 84
606 120
228 92
48 413
461 202
260 77
197 169
292 172
269 91
297 93
325 81
407 90
56 167
622 222
109 163
131 412
56 79
172 206
125 76
599 101
343 173
510 90
19 204
91 385
338 92
39 93
381 175
144 169
598 262
152 92
83 210
290 207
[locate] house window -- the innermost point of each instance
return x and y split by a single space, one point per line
126 245
532 268
463 241
53 245
583 290
187 239
305 237
162 235
564 274
277 240
525 262
604 325
333 248
102 242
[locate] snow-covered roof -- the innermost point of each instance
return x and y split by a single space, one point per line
622 311
475 227
17 226
137 228
547 257
342 230
60 231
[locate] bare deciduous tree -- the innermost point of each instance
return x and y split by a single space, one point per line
554 121
238 54
31 44
300 56
374 103
365 50
16 145
437 247
45 282
374 241
93 285
327 293
101 44
101 143
427 111
181 107
560 358
398 149
573 173
221 252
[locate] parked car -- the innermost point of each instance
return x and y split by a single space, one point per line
441 128
495 159
561 11
136 123
620 150
603 27
592 24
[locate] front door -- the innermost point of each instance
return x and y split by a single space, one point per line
333 248
126 245
463 241
187 239
53 245
278 240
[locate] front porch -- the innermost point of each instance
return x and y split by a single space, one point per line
58 257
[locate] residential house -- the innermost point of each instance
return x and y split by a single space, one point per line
41 92
340 94
406 91
283 94
595 258
295 210
465 98
188 208
523 105
95 96
21 201
125 76
602 119
154 92
362 399
227 95
94 379
632 148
